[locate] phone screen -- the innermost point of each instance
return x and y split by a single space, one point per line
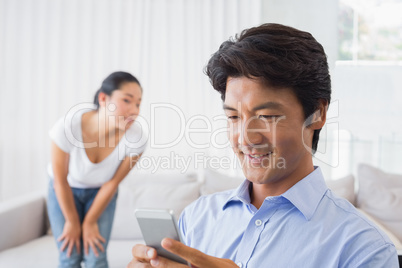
156 225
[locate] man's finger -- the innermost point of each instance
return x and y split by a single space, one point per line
191 255
136 264
142 252
161 262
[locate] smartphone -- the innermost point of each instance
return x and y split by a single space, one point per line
156 224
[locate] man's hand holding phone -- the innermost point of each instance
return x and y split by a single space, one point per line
164 248
144 256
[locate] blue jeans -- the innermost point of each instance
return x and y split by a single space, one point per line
83 199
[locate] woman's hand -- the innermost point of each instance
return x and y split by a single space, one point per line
92 238
71 237
144 256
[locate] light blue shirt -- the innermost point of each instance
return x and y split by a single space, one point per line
307 226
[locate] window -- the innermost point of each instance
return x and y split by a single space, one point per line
370 30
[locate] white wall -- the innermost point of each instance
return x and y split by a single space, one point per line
318 17
370 98
370 108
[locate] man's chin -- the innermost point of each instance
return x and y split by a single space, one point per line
255 175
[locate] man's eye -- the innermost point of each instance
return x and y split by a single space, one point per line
126 101
268 116
233 117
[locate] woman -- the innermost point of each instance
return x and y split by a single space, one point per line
92 150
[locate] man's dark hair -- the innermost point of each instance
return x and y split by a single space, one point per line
283 57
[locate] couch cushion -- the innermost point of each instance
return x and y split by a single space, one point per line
344 187
380 195
168 191
42 252
215 181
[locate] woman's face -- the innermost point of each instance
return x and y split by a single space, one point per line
123 105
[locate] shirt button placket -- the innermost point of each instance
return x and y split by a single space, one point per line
250 240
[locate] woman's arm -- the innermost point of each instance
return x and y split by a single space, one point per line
72 227
91 235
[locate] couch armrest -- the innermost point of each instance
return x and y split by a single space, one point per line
22 219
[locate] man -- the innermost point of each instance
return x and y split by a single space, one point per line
276 89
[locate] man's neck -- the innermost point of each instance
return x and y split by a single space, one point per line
258 192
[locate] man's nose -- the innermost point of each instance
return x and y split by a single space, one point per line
251 133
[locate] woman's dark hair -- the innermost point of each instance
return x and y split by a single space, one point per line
113 82
282 57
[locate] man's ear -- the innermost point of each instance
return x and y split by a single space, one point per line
320 115
102 99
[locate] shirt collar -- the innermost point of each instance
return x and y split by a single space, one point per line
242 194
304 195
307 193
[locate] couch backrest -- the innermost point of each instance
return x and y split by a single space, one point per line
22 219
161 191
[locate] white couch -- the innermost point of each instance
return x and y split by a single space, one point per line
25 240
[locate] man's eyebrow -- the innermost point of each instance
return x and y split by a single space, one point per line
227 107
267 105
128 94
